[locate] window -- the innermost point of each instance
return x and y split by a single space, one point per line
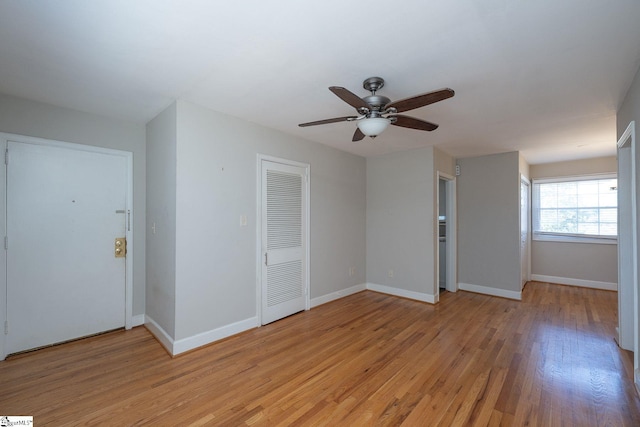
582 209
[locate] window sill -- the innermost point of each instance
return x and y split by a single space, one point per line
574 239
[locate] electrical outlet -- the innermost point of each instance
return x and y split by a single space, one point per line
390 273
352 271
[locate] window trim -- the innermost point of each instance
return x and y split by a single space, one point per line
567 237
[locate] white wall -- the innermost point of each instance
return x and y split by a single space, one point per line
401 191
216 160
489 224
161 216
575 263
24 117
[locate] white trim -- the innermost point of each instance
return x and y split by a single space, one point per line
259 250
175 347
160 334
451 251
629 132
486 290
208 337
128 155
593 284
629 135
129 220
585 177
574 238
338 294
525 181
137 320
418 296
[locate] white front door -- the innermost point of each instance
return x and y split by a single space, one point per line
283 240
65 207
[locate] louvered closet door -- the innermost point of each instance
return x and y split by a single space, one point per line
284 240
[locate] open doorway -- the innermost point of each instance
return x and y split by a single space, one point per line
446 226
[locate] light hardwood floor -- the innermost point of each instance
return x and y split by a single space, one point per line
367 359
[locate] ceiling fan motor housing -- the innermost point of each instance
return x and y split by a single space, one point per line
377 102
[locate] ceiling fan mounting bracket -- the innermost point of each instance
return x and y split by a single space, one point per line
372 84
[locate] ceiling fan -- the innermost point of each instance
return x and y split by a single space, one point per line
376 112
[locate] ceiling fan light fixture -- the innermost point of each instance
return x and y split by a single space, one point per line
373 126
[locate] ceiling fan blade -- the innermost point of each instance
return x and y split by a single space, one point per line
421 100
413 123
349 97
324 122
357 135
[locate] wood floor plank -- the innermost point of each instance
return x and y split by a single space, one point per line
367 359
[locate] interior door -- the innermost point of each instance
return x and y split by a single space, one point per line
65 207
284 240
524 231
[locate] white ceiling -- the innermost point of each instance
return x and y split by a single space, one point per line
544 77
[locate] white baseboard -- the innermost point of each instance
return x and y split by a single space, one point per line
137 320
204 338
161 335
418 296
337 295
607 286
175 347
504 293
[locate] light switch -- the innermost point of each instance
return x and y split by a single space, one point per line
243 220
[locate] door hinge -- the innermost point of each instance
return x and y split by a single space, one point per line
6 156
457 170
6 327
6 243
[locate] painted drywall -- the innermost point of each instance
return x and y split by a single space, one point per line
216 184
575 167
443 162
489 224
575 261
401 239
24 117
161 220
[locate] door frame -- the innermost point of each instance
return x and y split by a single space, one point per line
260 158
451 262
627 326
524 180
4 140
